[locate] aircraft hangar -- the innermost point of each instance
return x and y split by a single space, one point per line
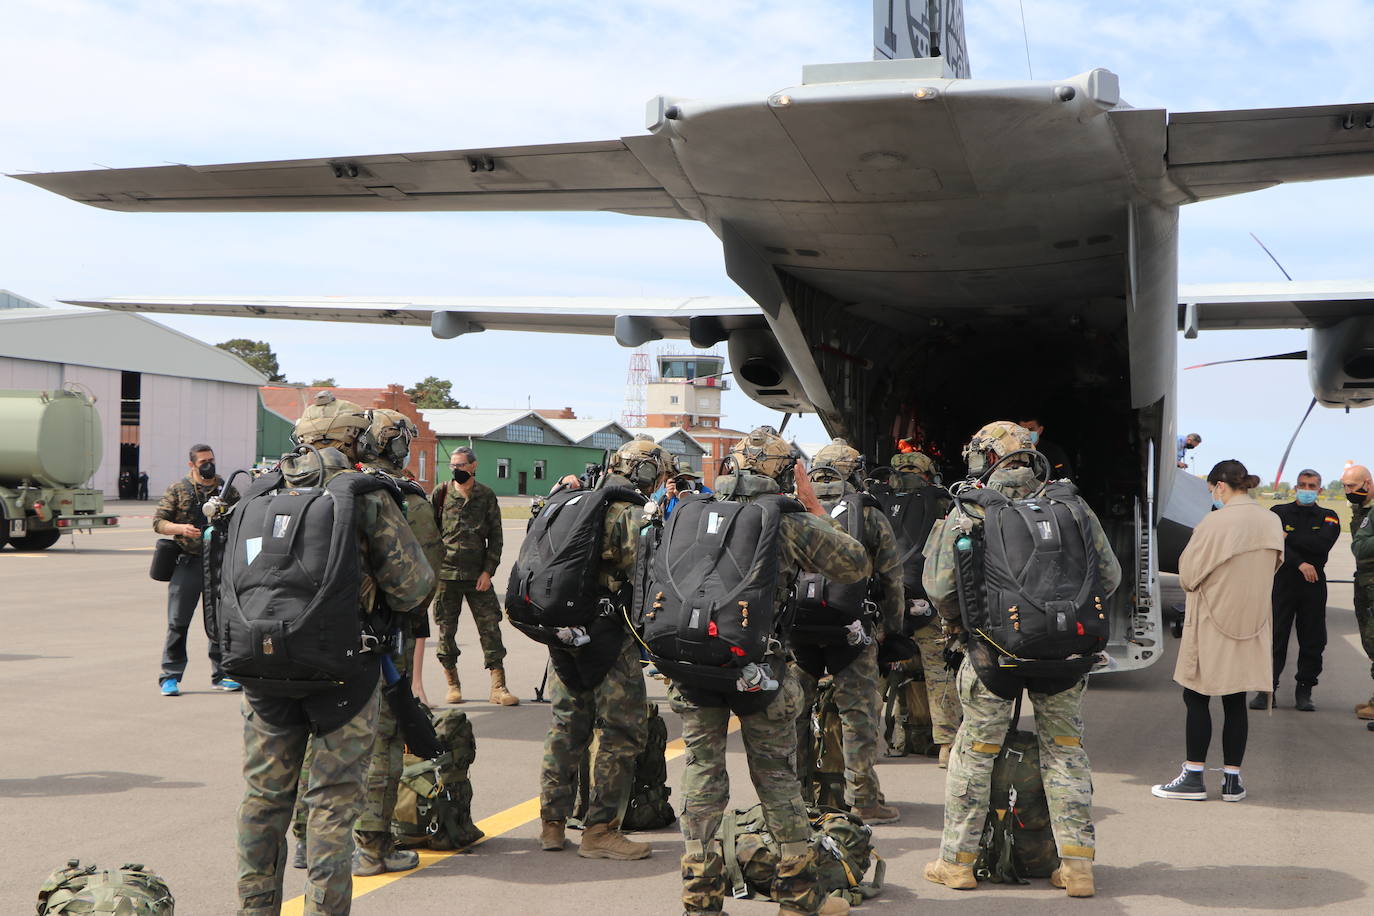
157 390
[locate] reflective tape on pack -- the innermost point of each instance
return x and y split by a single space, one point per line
983 747
1077 852
1068 740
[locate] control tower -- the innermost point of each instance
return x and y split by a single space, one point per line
684 392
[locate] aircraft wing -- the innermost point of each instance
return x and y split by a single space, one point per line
560 176
1216 153
1258 306
633 321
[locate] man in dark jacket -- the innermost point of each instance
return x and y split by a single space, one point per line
1309 532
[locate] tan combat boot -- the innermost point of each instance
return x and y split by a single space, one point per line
455 689
958 877
877 813
605 841
553 836
1075 876
1365 710
833 906
944 756
499 694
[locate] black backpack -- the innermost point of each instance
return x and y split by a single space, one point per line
1017 841
912 514
648 807
288 616
707 587
1028 581
821 609
553 583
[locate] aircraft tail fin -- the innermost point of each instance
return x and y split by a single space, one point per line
921 28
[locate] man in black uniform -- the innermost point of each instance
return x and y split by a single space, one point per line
1309 532
1059 459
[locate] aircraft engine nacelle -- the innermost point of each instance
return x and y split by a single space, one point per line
763 373
1340 362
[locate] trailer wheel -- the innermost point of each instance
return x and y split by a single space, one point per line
39 540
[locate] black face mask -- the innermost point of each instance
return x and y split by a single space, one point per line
207 470
461 477
1358 497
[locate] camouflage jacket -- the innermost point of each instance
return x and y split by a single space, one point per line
181 505
940 577
1362 546
394 565
881 545
1357 517
419 513
471 531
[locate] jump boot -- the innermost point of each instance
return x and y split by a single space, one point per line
1075 876
1302 698
877 813
605 841
957 877
553 836
499 694
376 854
1365 710
455 689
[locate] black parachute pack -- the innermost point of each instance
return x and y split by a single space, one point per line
821 609
706 587
648 807
1029 587
1017 840
554 583
912 514
288 615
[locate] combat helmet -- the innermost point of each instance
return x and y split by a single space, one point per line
995 440
841 456
387 437
913 463
642 461
764 452
330 423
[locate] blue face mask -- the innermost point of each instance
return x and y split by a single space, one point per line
1216 503
1307 497
1035 436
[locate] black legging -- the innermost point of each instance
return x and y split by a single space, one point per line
1199 728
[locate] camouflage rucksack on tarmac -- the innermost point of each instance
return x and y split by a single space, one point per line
648 807
434 799
820 760
843 845
130 890
1017 841
906 712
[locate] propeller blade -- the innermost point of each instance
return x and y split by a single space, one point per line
1278 475
1296 354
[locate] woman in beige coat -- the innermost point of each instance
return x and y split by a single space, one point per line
1227 571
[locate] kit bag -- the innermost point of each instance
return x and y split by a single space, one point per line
130 890
165 554
707 583
906 712
434 798
1028 582
843 846
820 758
648 807
554 582
288 618
1017 840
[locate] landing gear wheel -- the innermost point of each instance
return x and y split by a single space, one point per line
39 540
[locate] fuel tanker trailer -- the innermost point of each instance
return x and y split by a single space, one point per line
49 448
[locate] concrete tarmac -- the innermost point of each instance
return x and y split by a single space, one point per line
95 764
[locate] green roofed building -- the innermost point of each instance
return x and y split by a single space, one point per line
520 452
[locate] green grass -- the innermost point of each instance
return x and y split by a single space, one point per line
523 512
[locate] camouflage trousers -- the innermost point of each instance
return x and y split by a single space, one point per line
273 760
1063 765
486 613
858 695
384 768
770 745
945 712
1364 616
617 709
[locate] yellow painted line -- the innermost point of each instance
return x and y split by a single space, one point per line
494 826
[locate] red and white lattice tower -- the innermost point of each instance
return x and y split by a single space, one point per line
636 382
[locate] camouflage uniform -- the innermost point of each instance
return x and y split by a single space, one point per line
1058 717
472 535
810 543
339 724
181 505
616 705
1362 545
858 687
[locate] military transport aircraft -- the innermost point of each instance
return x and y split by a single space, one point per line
915 246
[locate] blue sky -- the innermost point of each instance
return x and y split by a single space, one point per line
142 82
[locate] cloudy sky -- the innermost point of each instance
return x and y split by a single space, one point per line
142 82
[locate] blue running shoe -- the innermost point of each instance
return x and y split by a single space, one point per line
227 684
170 687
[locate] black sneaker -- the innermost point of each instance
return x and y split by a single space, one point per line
1231 789
1261 701
1188 786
